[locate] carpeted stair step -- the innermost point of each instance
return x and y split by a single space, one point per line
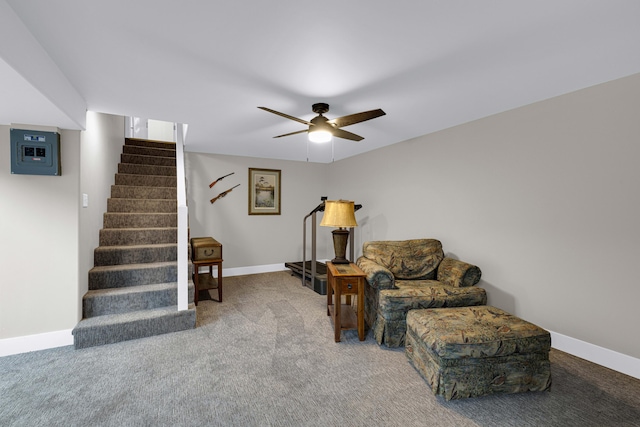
145 180
142 205
114 328
122 276
140 192
135 254
139 220
132 287
136 169
147 160
150 143
148 151
101 302
137 236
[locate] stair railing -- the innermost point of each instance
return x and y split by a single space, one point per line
183 219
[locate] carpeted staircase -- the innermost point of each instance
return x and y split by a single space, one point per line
133 286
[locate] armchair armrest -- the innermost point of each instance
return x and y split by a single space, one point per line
457 273
378 276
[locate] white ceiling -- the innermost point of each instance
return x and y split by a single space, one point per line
428 64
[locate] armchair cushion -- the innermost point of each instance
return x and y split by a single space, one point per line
406 259
394 304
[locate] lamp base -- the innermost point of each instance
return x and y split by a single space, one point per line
340 238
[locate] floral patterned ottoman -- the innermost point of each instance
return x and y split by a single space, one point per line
475 351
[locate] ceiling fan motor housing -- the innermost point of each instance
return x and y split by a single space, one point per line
320 108
321 121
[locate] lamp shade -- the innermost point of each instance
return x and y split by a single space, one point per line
339 213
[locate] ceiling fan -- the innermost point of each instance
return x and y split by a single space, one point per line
321 129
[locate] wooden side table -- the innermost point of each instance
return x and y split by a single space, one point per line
204 281
345 279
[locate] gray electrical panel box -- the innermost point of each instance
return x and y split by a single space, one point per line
35 152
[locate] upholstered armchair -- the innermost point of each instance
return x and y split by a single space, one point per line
412 274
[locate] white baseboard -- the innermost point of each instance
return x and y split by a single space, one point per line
256 269
26 344
608 358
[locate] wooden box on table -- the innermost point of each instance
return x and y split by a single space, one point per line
205 248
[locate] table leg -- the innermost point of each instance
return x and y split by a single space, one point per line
195 284
361 309
329 292
337 310
220 282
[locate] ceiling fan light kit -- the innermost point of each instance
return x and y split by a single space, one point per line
320 135
321 129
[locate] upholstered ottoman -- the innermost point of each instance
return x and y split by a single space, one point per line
475 351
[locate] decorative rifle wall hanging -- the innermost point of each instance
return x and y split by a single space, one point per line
220 179
224 193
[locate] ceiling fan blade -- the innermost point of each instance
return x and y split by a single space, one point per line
304 122
352 119
292 133
340 133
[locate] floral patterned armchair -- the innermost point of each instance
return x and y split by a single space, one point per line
412 274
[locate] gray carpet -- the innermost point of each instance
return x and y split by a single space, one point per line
266 357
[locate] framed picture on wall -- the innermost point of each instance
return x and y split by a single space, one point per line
264 191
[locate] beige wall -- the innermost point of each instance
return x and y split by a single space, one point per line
47 238
543 198
39 244
101 148
252 240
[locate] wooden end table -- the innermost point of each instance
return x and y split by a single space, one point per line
208 282
345 279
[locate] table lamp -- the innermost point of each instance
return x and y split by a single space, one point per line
341 214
